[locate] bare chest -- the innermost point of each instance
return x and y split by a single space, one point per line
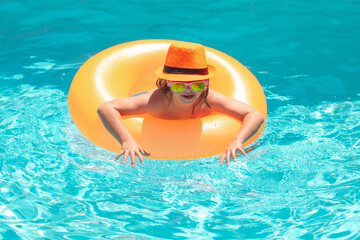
167 111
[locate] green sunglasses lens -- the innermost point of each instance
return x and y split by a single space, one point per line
198 87
177 87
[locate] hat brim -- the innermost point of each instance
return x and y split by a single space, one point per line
184 77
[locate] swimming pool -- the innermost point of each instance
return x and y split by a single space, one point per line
301 182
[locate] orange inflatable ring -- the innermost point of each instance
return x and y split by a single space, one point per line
128 69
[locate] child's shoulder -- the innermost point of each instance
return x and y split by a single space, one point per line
145 96
152 99
144 102
215 97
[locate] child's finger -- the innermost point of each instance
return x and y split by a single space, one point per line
126 154
227 158
143 152
119 154
132 156
140 157
233 155
242 151
222 159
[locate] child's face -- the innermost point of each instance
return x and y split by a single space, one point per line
190 92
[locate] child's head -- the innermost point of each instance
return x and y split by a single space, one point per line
185 73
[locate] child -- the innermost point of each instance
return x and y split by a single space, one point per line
183 92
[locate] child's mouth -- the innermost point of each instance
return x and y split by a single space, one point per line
190 96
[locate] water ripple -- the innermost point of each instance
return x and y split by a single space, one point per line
303 175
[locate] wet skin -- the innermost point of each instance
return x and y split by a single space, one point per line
157 104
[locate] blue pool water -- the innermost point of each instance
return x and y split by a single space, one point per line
301 182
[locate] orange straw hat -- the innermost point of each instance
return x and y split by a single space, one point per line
185 62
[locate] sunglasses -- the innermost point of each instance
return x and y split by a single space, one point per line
179 87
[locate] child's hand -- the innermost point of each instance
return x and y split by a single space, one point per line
133 149
235 146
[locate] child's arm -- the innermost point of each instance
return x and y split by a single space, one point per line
251 121
110 114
